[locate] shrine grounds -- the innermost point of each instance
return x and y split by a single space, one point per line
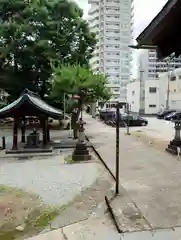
57 184
77 190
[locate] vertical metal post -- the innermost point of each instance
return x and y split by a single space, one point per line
128 122
168 84
117 148
3 142
169 70
142 95
64 106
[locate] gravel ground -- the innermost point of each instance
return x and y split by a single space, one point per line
56 183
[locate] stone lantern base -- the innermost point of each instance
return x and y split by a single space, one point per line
176 142
173 146
81 152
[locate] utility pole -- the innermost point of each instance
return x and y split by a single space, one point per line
168 91
142 92
168 85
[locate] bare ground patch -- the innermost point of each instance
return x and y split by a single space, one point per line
157 143
22 214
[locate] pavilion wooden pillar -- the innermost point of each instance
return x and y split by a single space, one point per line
48 132
44 131
15 134
23 129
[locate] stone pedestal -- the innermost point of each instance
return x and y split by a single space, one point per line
176 142
81 153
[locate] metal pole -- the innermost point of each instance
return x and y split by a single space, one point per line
169 76
117 148
168 85
128 122
64 106
142 105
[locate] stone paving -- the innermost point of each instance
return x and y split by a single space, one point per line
150 177
150 181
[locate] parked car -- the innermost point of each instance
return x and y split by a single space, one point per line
164 113
173 116
107 115
133 120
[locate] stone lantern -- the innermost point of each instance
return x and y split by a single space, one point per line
81 153
175 144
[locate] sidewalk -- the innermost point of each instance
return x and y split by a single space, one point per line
151 178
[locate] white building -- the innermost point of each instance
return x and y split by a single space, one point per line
156 94
150 67
148 103
171 92
112 20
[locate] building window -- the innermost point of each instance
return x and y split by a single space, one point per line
179 77
133 92
152 106
152 89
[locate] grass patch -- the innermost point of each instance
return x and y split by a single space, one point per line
69 160
19 208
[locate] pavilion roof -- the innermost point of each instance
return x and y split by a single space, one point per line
29 104
163 30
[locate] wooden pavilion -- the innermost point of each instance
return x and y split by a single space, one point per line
29 104
163 31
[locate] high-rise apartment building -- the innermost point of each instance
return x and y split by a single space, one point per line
112 20
150 67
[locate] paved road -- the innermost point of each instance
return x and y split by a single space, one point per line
161 129
151 178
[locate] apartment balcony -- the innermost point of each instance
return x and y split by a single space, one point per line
112 3
93 1
112 34
112 12
94 26
112 19
112 41
111 56
110 63
112 49
93 11
112 27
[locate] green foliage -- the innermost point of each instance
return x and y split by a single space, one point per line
72 78
35 32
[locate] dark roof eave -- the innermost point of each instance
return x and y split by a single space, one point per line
36 102
146 36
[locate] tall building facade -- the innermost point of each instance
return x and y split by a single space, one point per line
150 67
112 20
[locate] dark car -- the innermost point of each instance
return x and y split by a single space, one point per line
130 120
133 120
173 116
164 113
107 115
